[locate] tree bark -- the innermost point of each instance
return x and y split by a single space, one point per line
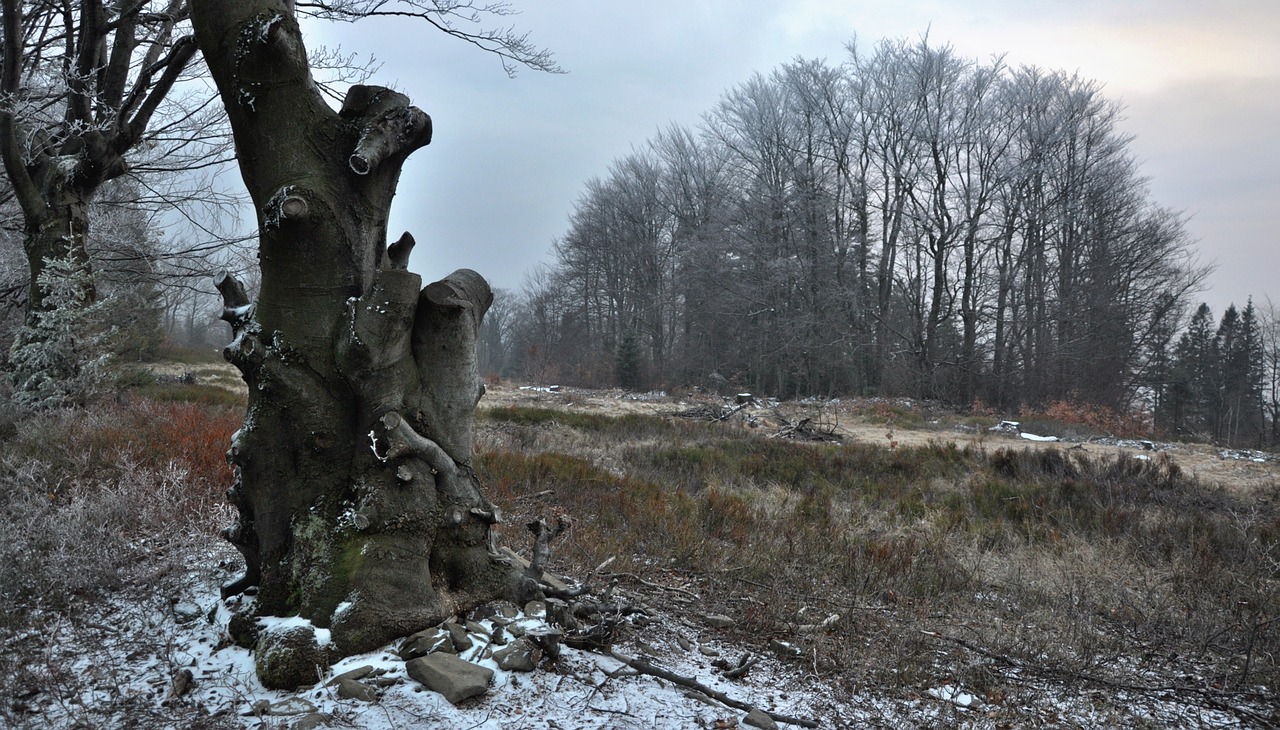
358 506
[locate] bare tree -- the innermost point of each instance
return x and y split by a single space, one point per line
911 222
81 84
358 506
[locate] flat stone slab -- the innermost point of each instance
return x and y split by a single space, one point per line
455 678
426 642
350 689
515 657
357 673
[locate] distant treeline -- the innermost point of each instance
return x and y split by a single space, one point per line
910 222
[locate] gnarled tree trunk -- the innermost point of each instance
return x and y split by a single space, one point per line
358 506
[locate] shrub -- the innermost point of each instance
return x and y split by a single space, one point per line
88 493
1073 418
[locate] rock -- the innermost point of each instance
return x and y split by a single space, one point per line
350 689
458 634
684 643
452 677
476 628
782 648
357 673
708 651
756 718
183 681
499 636
186 612
496 609
535 609
290 706
288 657
515 657
243 626
718 621
311 721
427 642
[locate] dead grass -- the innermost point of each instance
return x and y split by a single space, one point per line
1034 578
1001 570
90 494
103 508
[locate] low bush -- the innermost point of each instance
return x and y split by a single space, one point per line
89 493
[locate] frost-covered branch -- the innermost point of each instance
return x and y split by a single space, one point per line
462 19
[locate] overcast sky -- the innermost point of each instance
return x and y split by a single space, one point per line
1200 80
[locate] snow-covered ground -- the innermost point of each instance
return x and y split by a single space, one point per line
115 665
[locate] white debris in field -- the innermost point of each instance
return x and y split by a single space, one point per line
1033 437
1257 457
1006 427
955 695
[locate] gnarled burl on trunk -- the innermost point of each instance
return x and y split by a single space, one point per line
359 509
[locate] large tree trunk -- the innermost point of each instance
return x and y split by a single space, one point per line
58 232
358 506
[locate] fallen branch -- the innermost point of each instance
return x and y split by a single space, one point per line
736 671
642 581
655 671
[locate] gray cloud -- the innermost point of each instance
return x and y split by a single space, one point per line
510 156
1210 149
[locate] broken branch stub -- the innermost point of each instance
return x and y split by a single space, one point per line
404 441
444 349
294 207
398 252
235 301
396 131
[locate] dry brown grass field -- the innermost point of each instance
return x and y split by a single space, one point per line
1080 583
925 562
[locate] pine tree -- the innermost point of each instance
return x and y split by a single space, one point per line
1192 380
59 358
1239 408
627 360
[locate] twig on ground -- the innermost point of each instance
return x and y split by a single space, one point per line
642 581
655 671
